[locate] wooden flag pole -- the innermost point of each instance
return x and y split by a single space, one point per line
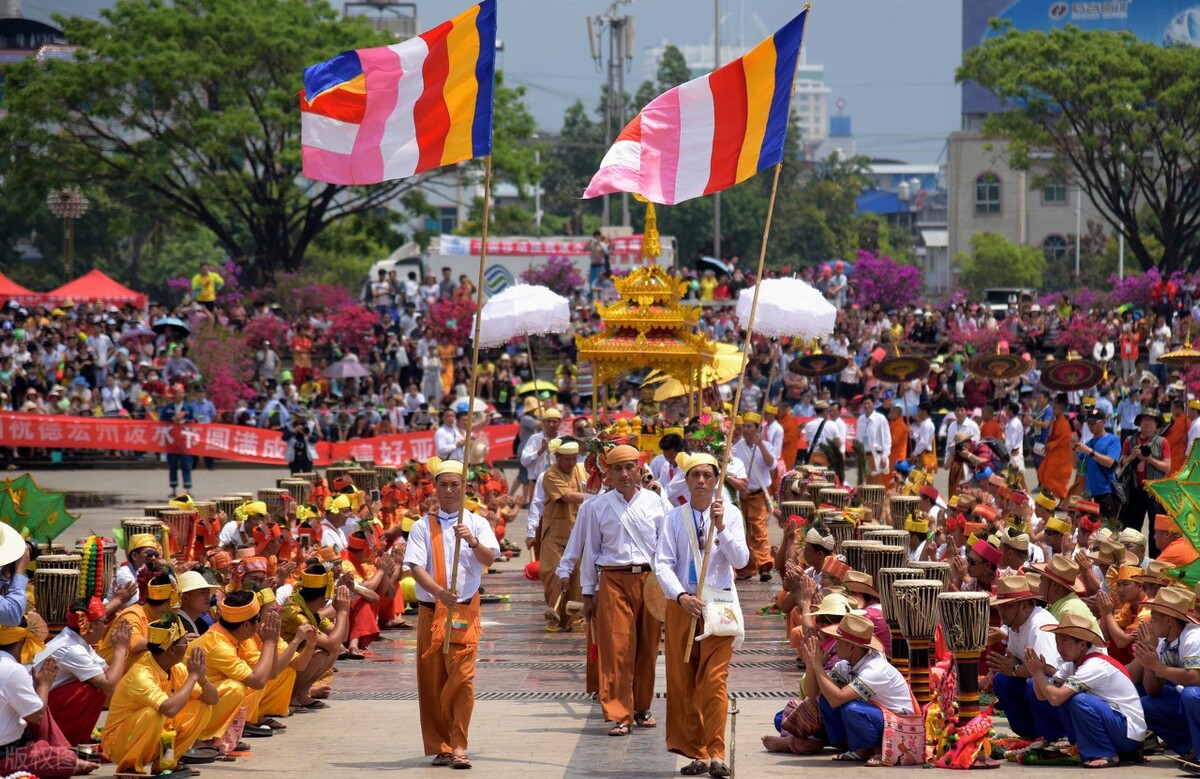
737 399
462 504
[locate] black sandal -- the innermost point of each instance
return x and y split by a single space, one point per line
620 729
694 768
718 768
443 758
644 719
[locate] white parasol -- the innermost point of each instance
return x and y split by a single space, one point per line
787 307
523 309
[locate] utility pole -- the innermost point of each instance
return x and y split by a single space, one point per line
716 243
620 31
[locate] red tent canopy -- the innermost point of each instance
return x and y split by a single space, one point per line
95 287
11 290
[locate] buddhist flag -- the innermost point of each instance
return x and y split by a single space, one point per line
710 133
373 115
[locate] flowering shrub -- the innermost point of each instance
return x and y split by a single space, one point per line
1134 289
297 293
352 329
879 279
266 327
976 340
1081 332
558 275
226 362
230 293
452 320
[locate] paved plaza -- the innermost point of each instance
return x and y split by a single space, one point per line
532 718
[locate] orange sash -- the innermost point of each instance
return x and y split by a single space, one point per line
464 621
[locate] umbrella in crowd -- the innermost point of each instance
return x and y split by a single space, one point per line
712 263
787 307
902 368
163 324
522 310
1072 375
538 385
999 366
346 369
816 365
135 333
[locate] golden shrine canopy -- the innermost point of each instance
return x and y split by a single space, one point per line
648 327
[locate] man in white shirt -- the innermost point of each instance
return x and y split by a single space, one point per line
446 681
448 440
759 463
924 438
876 435
1014 437
696 687
338 511
535 456
772 430
663 466
239 530
618 554
1171 670
960 423
821 429
1023 618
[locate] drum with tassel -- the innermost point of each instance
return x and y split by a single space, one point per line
366 464
181 530
916 610
205 509
813 489
299 489
964 620
55 589
870 496
335 472
387 474
933 569
834 496
888 537
885 582
875 559
227 505
899 507
273 497
794 509
842 530
156 509
366 479
60 562
855 552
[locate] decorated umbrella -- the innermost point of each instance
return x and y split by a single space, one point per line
712 263
1181 358
163 323
999 366
346 369
524 310
137 332
1072 375
35 513
788 307
902 368
817 365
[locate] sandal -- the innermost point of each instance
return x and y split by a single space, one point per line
644 719
315 705
1102 762
460 762
350 654
694 768
443 758
718 768
849 756
620 729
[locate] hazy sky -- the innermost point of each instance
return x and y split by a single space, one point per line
893 63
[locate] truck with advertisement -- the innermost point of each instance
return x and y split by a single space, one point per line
510 256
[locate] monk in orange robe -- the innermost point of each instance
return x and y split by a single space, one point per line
1054 474
791 435
1176 435
899 430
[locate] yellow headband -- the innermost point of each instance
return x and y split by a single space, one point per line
689 461
1058 525
266 596
162 637
304 513
339 503
160 591
438 467
313 580
144 541
1047 502
913 524
240 613
11 635
752 416
558 446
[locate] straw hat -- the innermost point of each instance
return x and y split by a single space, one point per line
1061 570
1075 626
190 581
832 605
12 546
1020 542
855 629
1131 536
1011 589
860 582
1174 602
1112 553
1156 573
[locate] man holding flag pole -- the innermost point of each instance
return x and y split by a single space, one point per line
390 112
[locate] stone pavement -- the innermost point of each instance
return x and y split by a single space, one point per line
531 718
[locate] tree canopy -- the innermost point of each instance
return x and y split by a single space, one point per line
997 262
1119 116
192 105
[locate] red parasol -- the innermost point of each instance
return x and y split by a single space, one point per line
902 368
999 366
814 365
1072 375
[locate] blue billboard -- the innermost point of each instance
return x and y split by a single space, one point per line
1165 22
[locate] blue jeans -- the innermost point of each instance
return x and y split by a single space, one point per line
1027 716
174 463
1095 727
854 725
1191 711
1165 716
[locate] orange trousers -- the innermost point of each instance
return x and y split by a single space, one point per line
592 674
550 551
628 636
697 704
756 513
445 689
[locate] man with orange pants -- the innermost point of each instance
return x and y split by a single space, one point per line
755 455
696 686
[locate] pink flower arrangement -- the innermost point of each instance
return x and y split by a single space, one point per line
452 320
558 275
880 279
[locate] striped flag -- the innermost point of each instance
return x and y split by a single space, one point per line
373 115
710 133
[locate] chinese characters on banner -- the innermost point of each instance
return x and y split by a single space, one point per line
626 246
227 442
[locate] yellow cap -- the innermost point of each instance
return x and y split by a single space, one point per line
752 416
689 461
337 503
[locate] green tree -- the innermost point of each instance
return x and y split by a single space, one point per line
995 261
672 71
1120 117
193 104
569 164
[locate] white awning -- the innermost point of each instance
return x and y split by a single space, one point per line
936 239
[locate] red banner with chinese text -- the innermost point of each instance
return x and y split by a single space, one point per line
227 442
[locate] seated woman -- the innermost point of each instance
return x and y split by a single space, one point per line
1102 713
29 739
84 681
854 694
158 695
